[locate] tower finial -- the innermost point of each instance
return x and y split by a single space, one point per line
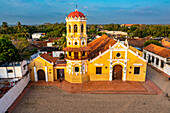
76 6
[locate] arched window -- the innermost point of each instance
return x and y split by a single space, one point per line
82 28
75 28
69 29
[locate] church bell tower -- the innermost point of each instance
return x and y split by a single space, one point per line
77 50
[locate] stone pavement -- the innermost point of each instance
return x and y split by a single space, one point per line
159 79
52 99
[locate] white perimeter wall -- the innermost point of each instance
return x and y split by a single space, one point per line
7 100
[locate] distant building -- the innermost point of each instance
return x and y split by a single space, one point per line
129 25
13 70
165 42
52 51
37 35
115 33
159 57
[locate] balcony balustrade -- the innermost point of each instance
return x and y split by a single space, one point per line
76 57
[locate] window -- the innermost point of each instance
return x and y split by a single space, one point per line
82 43
118 54
144 55
162 64
98 70
83 53
10 71
137 70
157 61
75 43
153 58
76 69
69 43
69 29
69 53
82 28
75 28
149 59
24 66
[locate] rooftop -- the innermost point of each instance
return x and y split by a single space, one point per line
48 58
100 44
161 51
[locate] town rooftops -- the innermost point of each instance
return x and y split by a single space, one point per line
161 51
100 44
49 49
48 58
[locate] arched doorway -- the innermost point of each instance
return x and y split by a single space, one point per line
41 74
117 72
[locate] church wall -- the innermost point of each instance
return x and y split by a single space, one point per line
134 60
40 64
100 62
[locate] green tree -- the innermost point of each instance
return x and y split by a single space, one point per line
148 42
5 26
8 52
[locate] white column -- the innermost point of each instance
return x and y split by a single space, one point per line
124 73
80 70
159 66
35 74
125 67
14 72
110 74
46 74
72 70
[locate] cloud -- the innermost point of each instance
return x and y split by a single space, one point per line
85 7
71 3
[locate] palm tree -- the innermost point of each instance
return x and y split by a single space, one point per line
5 26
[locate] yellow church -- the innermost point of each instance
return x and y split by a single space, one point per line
104 59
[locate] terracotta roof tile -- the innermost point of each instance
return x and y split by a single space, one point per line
161 51
165 43
100 44
48 58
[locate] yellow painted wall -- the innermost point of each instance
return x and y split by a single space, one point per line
40 64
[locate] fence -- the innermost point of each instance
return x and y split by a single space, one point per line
7 100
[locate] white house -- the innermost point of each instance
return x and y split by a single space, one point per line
159 57
52 51
13 70
37 35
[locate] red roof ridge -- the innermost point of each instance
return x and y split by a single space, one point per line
161 51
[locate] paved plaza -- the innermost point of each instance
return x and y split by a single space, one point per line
53 97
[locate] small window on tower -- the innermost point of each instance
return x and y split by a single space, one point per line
69 53
82 27
75 43
83 53
69 29
76 69
69 43
82 43
75 28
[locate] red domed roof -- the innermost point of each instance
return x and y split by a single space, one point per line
76 14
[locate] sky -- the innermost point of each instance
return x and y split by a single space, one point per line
31 12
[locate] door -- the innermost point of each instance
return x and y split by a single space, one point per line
75 55
117 72
41 74
60 72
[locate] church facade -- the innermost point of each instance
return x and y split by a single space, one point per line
104 59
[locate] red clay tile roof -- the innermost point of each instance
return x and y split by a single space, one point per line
48 58
132 24
76 14
165 43
100 44
79 49
161 51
